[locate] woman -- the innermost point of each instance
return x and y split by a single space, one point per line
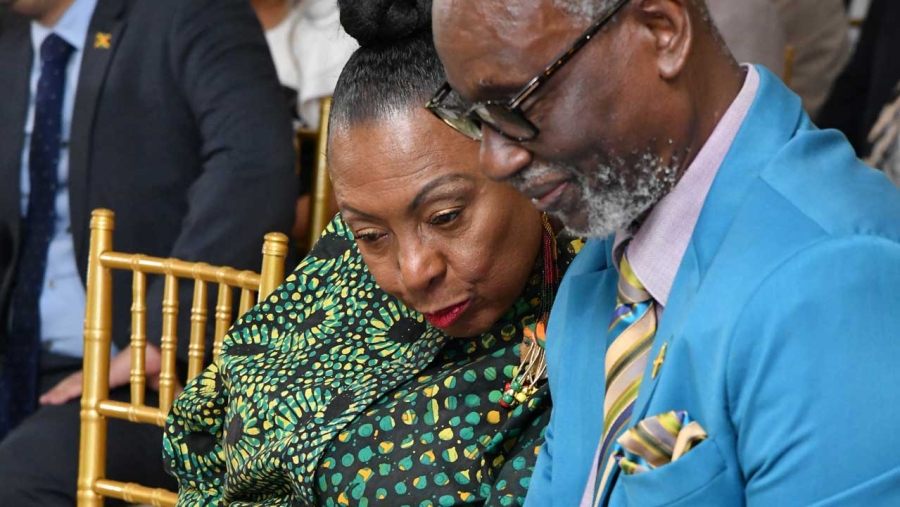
390 367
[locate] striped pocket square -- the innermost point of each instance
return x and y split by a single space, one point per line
657 441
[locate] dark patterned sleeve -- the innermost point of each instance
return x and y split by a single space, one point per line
511 462
192 445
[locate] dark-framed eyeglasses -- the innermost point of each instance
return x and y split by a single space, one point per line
506 116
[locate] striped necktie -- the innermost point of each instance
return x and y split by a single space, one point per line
631 333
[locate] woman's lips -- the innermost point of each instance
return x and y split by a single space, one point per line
447 316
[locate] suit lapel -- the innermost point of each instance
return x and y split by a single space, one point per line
591 328
580 318
16 55
104 35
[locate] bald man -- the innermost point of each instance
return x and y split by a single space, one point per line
728 337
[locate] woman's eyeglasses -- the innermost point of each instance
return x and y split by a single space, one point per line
506 116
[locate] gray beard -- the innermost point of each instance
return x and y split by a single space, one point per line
608 201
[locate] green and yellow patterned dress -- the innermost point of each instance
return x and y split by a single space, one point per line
331 392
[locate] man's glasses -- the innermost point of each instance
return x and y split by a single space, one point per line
506 116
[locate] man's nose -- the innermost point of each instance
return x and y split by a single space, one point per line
501 158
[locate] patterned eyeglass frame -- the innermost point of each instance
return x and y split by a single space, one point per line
512 107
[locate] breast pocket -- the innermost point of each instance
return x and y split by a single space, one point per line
691 480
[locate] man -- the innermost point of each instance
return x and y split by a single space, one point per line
744 313
166 111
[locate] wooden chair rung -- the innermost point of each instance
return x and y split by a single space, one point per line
135 493
138 337
197 345
223 317
180 269
247 301
168 342
129 412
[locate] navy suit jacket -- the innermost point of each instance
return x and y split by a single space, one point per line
179 128
782 330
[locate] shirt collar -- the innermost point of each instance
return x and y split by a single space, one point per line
656 251
72 27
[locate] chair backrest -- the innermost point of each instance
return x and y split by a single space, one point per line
95 403
321 203
790 55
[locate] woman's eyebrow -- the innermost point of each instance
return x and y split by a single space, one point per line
362 214
433 185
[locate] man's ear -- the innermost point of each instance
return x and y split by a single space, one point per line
670 24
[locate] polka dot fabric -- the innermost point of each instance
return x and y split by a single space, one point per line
331 392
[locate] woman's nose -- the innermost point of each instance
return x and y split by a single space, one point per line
500 157
421 266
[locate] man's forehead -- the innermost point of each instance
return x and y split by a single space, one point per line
493 11
493 46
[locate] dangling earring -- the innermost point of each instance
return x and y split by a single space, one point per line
533 366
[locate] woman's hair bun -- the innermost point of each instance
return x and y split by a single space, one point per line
374 22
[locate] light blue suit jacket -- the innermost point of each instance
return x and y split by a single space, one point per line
783 333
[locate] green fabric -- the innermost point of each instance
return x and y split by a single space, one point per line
332 392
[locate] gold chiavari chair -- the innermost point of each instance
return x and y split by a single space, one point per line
321 204
790 55
95 405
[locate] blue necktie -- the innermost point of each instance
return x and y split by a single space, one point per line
19 378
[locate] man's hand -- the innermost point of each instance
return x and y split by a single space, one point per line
119 375
68 389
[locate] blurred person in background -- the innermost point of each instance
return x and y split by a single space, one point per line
309 49
885 140
867 84
760 31
168 112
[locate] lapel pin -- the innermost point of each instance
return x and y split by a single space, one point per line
103 40
658 362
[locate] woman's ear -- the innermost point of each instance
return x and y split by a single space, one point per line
669 23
